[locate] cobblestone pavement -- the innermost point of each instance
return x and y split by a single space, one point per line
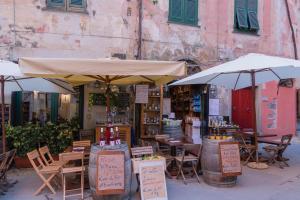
270 184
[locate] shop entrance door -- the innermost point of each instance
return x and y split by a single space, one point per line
242 108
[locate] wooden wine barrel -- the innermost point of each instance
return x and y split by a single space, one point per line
210 162
92 171
173 131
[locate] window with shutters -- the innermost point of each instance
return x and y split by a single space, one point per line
183 12
245 15
68 5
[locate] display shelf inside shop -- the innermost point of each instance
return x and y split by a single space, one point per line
151 113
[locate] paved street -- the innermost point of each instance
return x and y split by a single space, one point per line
271 184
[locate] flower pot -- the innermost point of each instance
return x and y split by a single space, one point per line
22 162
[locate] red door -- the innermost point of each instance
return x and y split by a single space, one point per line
242 108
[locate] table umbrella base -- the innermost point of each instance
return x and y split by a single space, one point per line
257 165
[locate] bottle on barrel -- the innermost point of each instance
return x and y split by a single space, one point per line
117 136
112 138
108 126
102 137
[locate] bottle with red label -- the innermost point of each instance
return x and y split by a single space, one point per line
112 138
102 137
117 136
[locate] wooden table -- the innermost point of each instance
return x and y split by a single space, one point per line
174 144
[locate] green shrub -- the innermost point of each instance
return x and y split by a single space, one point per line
32 136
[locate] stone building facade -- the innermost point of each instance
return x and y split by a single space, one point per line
103 28
31 28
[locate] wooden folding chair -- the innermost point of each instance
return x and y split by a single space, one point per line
137 152
246 148
188 158
46 173
164 151
66 170
4 167
3 162
47 157
82 143
275 151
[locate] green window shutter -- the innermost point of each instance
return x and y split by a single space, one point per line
241 14
176 10
54 107
191 12
56 3
252 15
76 3
16 108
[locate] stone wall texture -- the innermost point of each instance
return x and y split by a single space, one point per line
28 28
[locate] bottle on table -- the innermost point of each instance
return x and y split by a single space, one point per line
112 139
117 136
102 137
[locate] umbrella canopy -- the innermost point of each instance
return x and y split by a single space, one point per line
12 79
236 74
15 80
107 70
249 70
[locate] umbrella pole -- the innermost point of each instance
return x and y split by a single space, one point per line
3 115
254 112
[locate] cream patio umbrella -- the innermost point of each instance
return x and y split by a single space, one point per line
106 70
12 79
246 71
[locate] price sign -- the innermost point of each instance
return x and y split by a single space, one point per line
110 173
141 93
230 158
153 181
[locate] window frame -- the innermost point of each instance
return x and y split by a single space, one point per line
66 6
184 19
247 30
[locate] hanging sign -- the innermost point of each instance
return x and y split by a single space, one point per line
153 181
214 106
110 173
230 158
141 93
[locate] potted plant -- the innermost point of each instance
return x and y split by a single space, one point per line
32 136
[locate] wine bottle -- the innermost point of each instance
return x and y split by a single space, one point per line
112 139
102 137
117 136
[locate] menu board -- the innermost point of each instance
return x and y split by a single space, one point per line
230 158
153 181
110 173
141 93
214 106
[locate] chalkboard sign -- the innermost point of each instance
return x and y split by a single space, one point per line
153 181
110 173
230 158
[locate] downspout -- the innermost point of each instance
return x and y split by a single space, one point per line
292 29
137 107
11 48
140 7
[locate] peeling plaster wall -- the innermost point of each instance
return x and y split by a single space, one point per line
104 30
107 29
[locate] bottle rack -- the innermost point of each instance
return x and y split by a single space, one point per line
151 113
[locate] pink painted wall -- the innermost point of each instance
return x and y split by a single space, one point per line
278 111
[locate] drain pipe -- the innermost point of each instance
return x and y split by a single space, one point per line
139 53
292 29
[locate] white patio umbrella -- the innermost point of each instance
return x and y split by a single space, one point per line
12 79
247 71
